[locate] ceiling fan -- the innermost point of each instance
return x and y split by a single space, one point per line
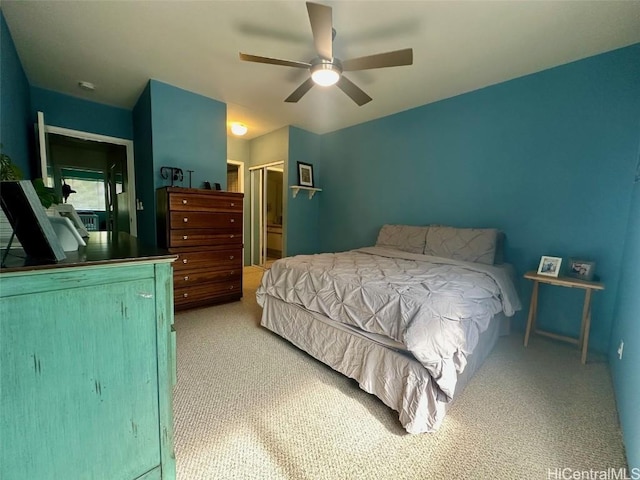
328 70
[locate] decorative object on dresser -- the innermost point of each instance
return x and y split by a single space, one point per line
174 174
204 228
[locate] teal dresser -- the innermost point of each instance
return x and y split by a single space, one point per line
87 365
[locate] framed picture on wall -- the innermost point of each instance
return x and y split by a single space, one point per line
305 174
549 266
581 269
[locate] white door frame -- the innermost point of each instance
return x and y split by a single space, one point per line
131 173
252 209
263 201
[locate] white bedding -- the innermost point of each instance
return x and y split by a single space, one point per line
434 307
388 372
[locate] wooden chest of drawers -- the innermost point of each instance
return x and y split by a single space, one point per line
204 228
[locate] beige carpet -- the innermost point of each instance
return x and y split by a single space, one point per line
249 405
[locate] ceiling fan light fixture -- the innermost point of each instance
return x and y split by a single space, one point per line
239 129
90 87
325 74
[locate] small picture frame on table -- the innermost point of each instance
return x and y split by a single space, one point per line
581 269
549 266
305 174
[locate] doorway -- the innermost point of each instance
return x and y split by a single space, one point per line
92 176
266 193
118 172
235 176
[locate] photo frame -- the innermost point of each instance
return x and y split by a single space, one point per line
305 174
581 269
549 266
30 222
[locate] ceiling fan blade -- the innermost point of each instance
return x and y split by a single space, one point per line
300 91
396 58
353 91
273 61
322 28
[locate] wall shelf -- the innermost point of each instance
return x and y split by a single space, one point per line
312 191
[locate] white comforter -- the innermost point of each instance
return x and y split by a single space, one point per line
434 306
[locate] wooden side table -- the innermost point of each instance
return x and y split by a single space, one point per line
588 287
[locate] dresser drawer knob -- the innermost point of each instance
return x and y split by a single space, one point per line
185 219
185 237
231 273
184 201
186 278
230 257
233 204
231 236
184 260
231 287
232 220
185 295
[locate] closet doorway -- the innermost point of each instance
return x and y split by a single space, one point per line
266 193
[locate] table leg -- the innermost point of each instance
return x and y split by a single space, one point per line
533 307
586 324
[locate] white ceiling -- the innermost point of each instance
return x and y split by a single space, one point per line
458 47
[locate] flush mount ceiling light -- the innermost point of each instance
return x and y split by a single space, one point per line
325 73
90 87
238 128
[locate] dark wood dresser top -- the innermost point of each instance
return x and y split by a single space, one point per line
102 248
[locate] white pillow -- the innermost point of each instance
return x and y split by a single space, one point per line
407 238
466 244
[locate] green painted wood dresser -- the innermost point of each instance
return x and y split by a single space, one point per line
87 365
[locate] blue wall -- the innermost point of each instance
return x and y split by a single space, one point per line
303 214
626 372
547 158
190 132
176 128
15 126
65 111
169 126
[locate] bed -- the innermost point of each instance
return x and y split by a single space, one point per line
410 318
